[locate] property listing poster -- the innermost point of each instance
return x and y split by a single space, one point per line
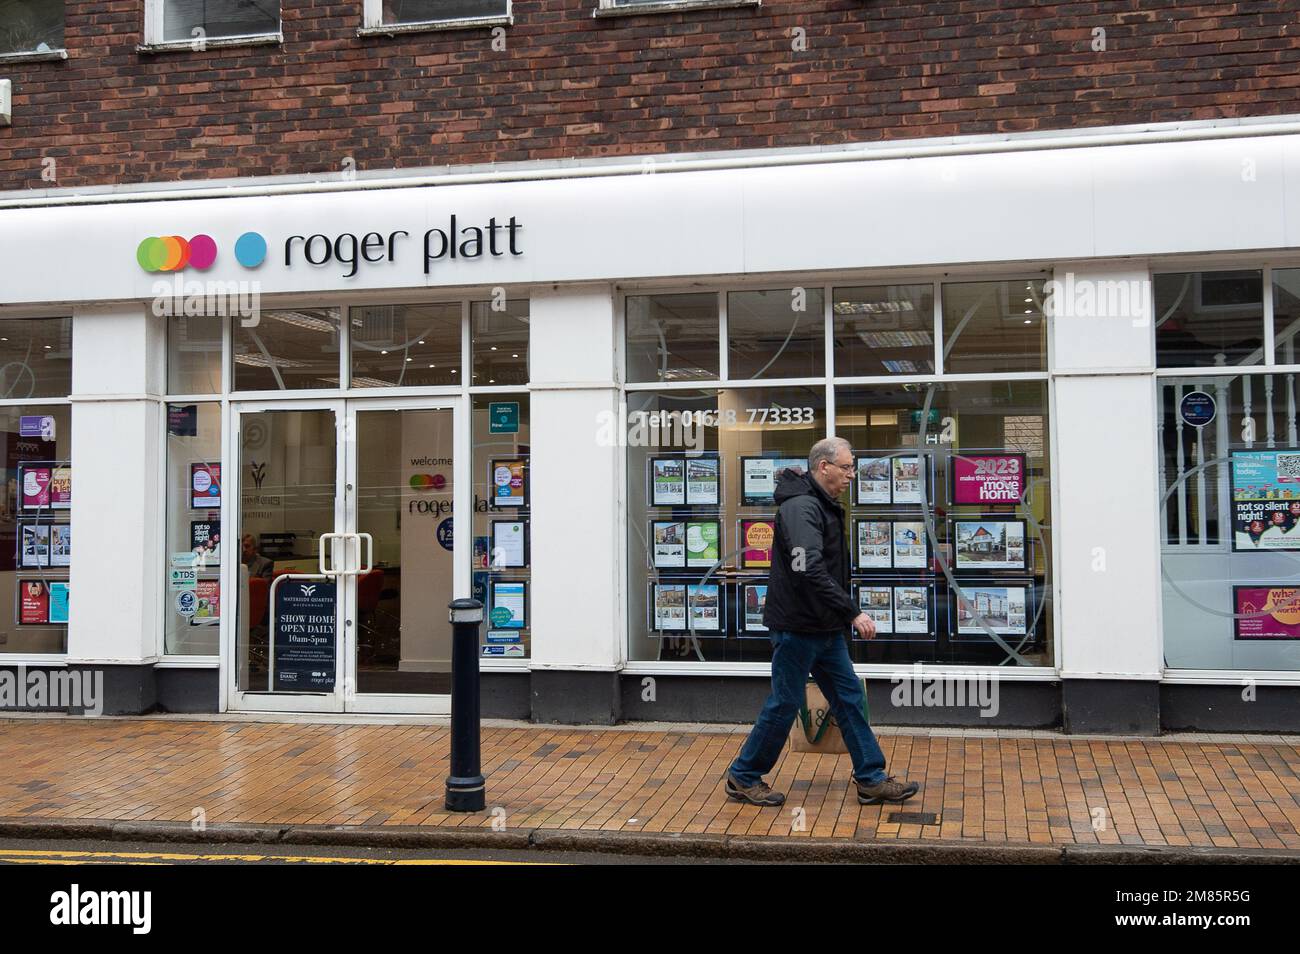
912 610
910 548
753 600
988 478
669 606
878 603
702 481
873 480
706 606
1265 500
33 545
909 480
875 550
1003 609
1266 612
61 544
667 482
668 539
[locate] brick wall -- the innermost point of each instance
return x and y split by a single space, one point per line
569 85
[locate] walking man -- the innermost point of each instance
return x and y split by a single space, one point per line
807 612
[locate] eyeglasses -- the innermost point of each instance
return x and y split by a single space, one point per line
847 468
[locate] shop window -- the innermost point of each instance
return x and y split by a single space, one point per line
434 11
994 327
779 333
195 542
1209 319
35 358
1286 315
499 342
1229 480
502 551
194 354
405 345
883 329
672 337
949 517
701 469
36 528
288 349
186 19
31 26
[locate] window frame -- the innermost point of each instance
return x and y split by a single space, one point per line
155 41
372 21
615 8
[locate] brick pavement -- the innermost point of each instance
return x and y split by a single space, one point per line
984 788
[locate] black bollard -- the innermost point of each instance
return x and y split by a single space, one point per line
465 785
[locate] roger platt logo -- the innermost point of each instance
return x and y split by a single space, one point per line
172 253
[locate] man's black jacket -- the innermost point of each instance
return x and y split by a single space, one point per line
808 588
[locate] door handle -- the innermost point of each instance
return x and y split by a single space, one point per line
370 552
325 538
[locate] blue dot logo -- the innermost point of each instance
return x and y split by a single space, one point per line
250 250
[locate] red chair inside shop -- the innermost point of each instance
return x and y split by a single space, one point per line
259 589
370 585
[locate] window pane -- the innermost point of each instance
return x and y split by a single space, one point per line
1001 509
502 551
35 357
994 327
1209 318
499 342
1286 314
776 334
217 18
422 11
699 487
31 26
194 527
194 355
672 337
886 329
288 350
1228 527
405 345
35 528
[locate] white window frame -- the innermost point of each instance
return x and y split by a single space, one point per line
373 24
614 8
155 43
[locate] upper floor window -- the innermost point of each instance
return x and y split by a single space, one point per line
399 12
31 26
187 20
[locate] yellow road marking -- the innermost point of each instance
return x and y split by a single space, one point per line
85 857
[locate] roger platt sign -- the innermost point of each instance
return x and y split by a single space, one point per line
305 636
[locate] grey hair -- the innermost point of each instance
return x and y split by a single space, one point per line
826 449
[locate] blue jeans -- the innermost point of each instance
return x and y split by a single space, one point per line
794 656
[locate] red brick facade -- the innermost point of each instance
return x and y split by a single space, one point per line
570 85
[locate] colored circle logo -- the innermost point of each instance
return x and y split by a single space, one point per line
421 482
171 253
250 250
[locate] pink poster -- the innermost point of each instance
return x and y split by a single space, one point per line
1266 612
988 478
36 487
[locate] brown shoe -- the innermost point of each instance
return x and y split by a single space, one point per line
757 794
886 791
